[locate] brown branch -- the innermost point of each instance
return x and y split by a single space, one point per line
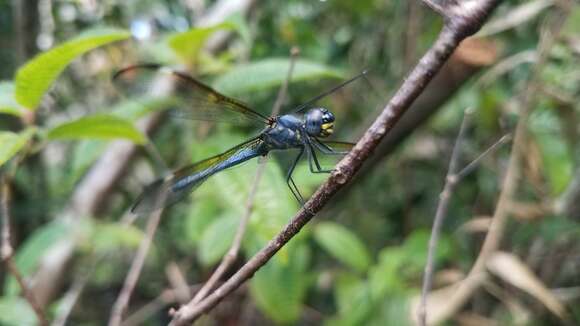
232 253
7 252
453 32
452 179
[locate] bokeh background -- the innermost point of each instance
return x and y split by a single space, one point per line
75 154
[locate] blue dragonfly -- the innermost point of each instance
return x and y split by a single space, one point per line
302 129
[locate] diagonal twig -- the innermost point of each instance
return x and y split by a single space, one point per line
232 253
453 33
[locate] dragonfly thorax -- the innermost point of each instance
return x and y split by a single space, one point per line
319 122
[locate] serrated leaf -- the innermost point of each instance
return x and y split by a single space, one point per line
16 311
269 73
188 44
36 77
11 143
99 126
8 103
216 240
343 245
34 248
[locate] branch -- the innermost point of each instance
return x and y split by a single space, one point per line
452 179
7 252
449 38
232 253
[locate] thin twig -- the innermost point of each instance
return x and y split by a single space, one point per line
452 178
70 299
7 252
449 38
440 215
167 296
133 275
232 253
475 163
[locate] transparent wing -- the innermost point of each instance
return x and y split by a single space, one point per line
307 104
176 186
190 98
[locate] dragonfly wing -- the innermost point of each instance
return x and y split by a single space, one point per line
190 98
176 186
160 194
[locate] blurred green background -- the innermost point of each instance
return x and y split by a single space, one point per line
75 155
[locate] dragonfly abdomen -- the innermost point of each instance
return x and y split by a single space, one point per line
241 156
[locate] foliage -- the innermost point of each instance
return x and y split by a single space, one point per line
360 262
37 75
100 126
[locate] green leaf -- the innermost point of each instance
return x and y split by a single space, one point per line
279 288
344 245
110 237
216 240
187 45
353 300
36 77
270 73
34 248
15 311
199 218
8 104
99 126
11 143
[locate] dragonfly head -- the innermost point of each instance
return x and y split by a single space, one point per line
319 122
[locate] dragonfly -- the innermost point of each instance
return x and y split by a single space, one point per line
304 128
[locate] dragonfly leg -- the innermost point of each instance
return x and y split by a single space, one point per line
313 159
290 181
325 149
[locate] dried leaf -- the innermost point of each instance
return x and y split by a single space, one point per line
512 270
